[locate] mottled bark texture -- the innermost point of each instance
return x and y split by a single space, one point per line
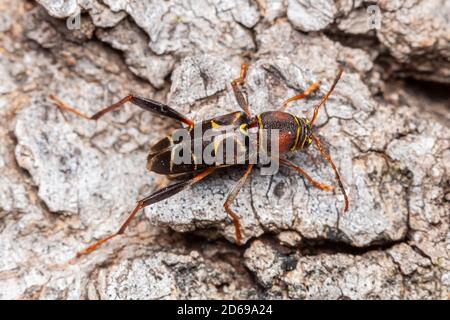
65 181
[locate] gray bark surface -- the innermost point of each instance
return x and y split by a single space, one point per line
66 182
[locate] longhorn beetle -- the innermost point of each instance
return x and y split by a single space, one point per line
295 133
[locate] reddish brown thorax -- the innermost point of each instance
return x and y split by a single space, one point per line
294 133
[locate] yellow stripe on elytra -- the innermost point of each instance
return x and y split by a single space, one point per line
172 156
243 129
261 127
216 146
217 142
260 123
215 125
298 133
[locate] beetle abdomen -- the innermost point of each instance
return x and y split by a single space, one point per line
202 150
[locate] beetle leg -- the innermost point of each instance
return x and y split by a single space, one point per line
181 176
238 92
315 183
155 197
144 103
230 198
307 92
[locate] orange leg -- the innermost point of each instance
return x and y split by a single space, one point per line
144 103
315 183
238 93
230 198
157 196
302 95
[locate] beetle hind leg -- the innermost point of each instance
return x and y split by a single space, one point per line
144 103
155 197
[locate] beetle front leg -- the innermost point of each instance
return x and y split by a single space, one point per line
236 85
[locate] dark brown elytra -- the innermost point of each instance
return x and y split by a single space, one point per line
294 134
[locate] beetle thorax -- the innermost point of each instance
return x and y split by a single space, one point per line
292 132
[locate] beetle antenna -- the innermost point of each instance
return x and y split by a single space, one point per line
336 172
325 98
